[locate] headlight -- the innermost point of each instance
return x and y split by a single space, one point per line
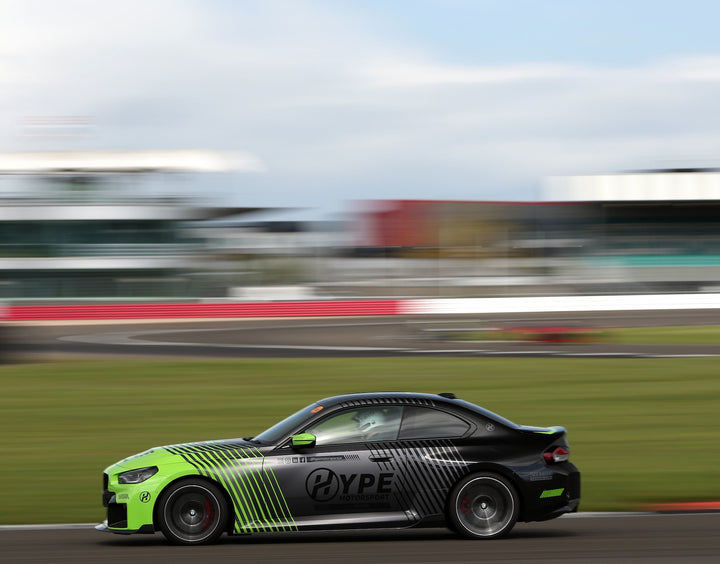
137 476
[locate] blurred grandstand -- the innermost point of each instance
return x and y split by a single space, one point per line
82 225
644 232
639 232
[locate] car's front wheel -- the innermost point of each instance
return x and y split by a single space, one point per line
192 512
483 506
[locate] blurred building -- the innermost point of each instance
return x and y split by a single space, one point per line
106 224
649 231
654 218
244 238
119 225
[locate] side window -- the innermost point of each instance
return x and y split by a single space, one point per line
359 425
426 423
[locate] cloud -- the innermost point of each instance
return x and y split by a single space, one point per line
334 110
409 74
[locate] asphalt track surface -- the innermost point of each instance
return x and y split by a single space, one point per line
609 538
342 337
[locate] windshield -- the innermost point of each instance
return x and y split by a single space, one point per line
283 429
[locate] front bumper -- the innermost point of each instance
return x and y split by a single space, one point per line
129 506
145 529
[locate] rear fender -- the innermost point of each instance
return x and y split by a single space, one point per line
509 475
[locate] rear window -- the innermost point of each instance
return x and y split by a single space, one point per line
426 423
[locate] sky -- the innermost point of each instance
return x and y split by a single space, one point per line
345 100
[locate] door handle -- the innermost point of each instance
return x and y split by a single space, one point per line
381 458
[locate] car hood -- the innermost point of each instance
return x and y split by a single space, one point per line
170 453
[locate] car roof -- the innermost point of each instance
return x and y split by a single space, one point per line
371 398
409 398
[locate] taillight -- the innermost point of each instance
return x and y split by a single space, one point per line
558 454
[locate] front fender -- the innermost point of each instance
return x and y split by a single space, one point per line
131 507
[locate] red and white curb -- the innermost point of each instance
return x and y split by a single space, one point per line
349 308
683 506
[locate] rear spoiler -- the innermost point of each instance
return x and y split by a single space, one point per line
557 430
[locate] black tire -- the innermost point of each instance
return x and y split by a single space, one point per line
483 506
192 511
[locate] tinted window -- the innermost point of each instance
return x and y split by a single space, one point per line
425 423
358 425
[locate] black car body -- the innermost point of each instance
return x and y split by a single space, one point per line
353 461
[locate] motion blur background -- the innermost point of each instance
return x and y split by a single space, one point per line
332 150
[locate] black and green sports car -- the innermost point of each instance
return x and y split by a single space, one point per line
373 460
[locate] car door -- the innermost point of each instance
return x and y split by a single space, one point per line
424 460
342 481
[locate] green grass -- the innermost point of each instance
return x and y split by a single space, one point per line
641 430
676 335
695 335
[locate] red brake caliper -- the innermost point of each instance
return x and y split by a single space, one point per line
465 505
209 514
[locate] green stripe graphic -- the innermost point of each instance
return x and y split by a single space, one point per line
258 500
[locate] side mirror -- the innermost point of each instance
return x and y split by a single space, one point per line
303 440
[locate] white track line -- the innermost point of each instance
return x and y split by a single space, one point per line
48 527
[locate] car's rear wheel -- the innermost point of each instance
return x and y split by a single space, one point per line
483 506
192 512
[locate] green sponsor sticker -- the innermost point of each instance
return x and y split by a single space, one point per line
552 493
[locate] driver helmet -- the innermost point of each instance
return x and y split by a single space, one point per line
369 419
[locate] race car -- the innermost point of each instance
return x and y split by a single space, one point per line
357 461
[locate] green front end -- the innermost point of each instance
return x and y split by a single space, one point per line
130 506
252 492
